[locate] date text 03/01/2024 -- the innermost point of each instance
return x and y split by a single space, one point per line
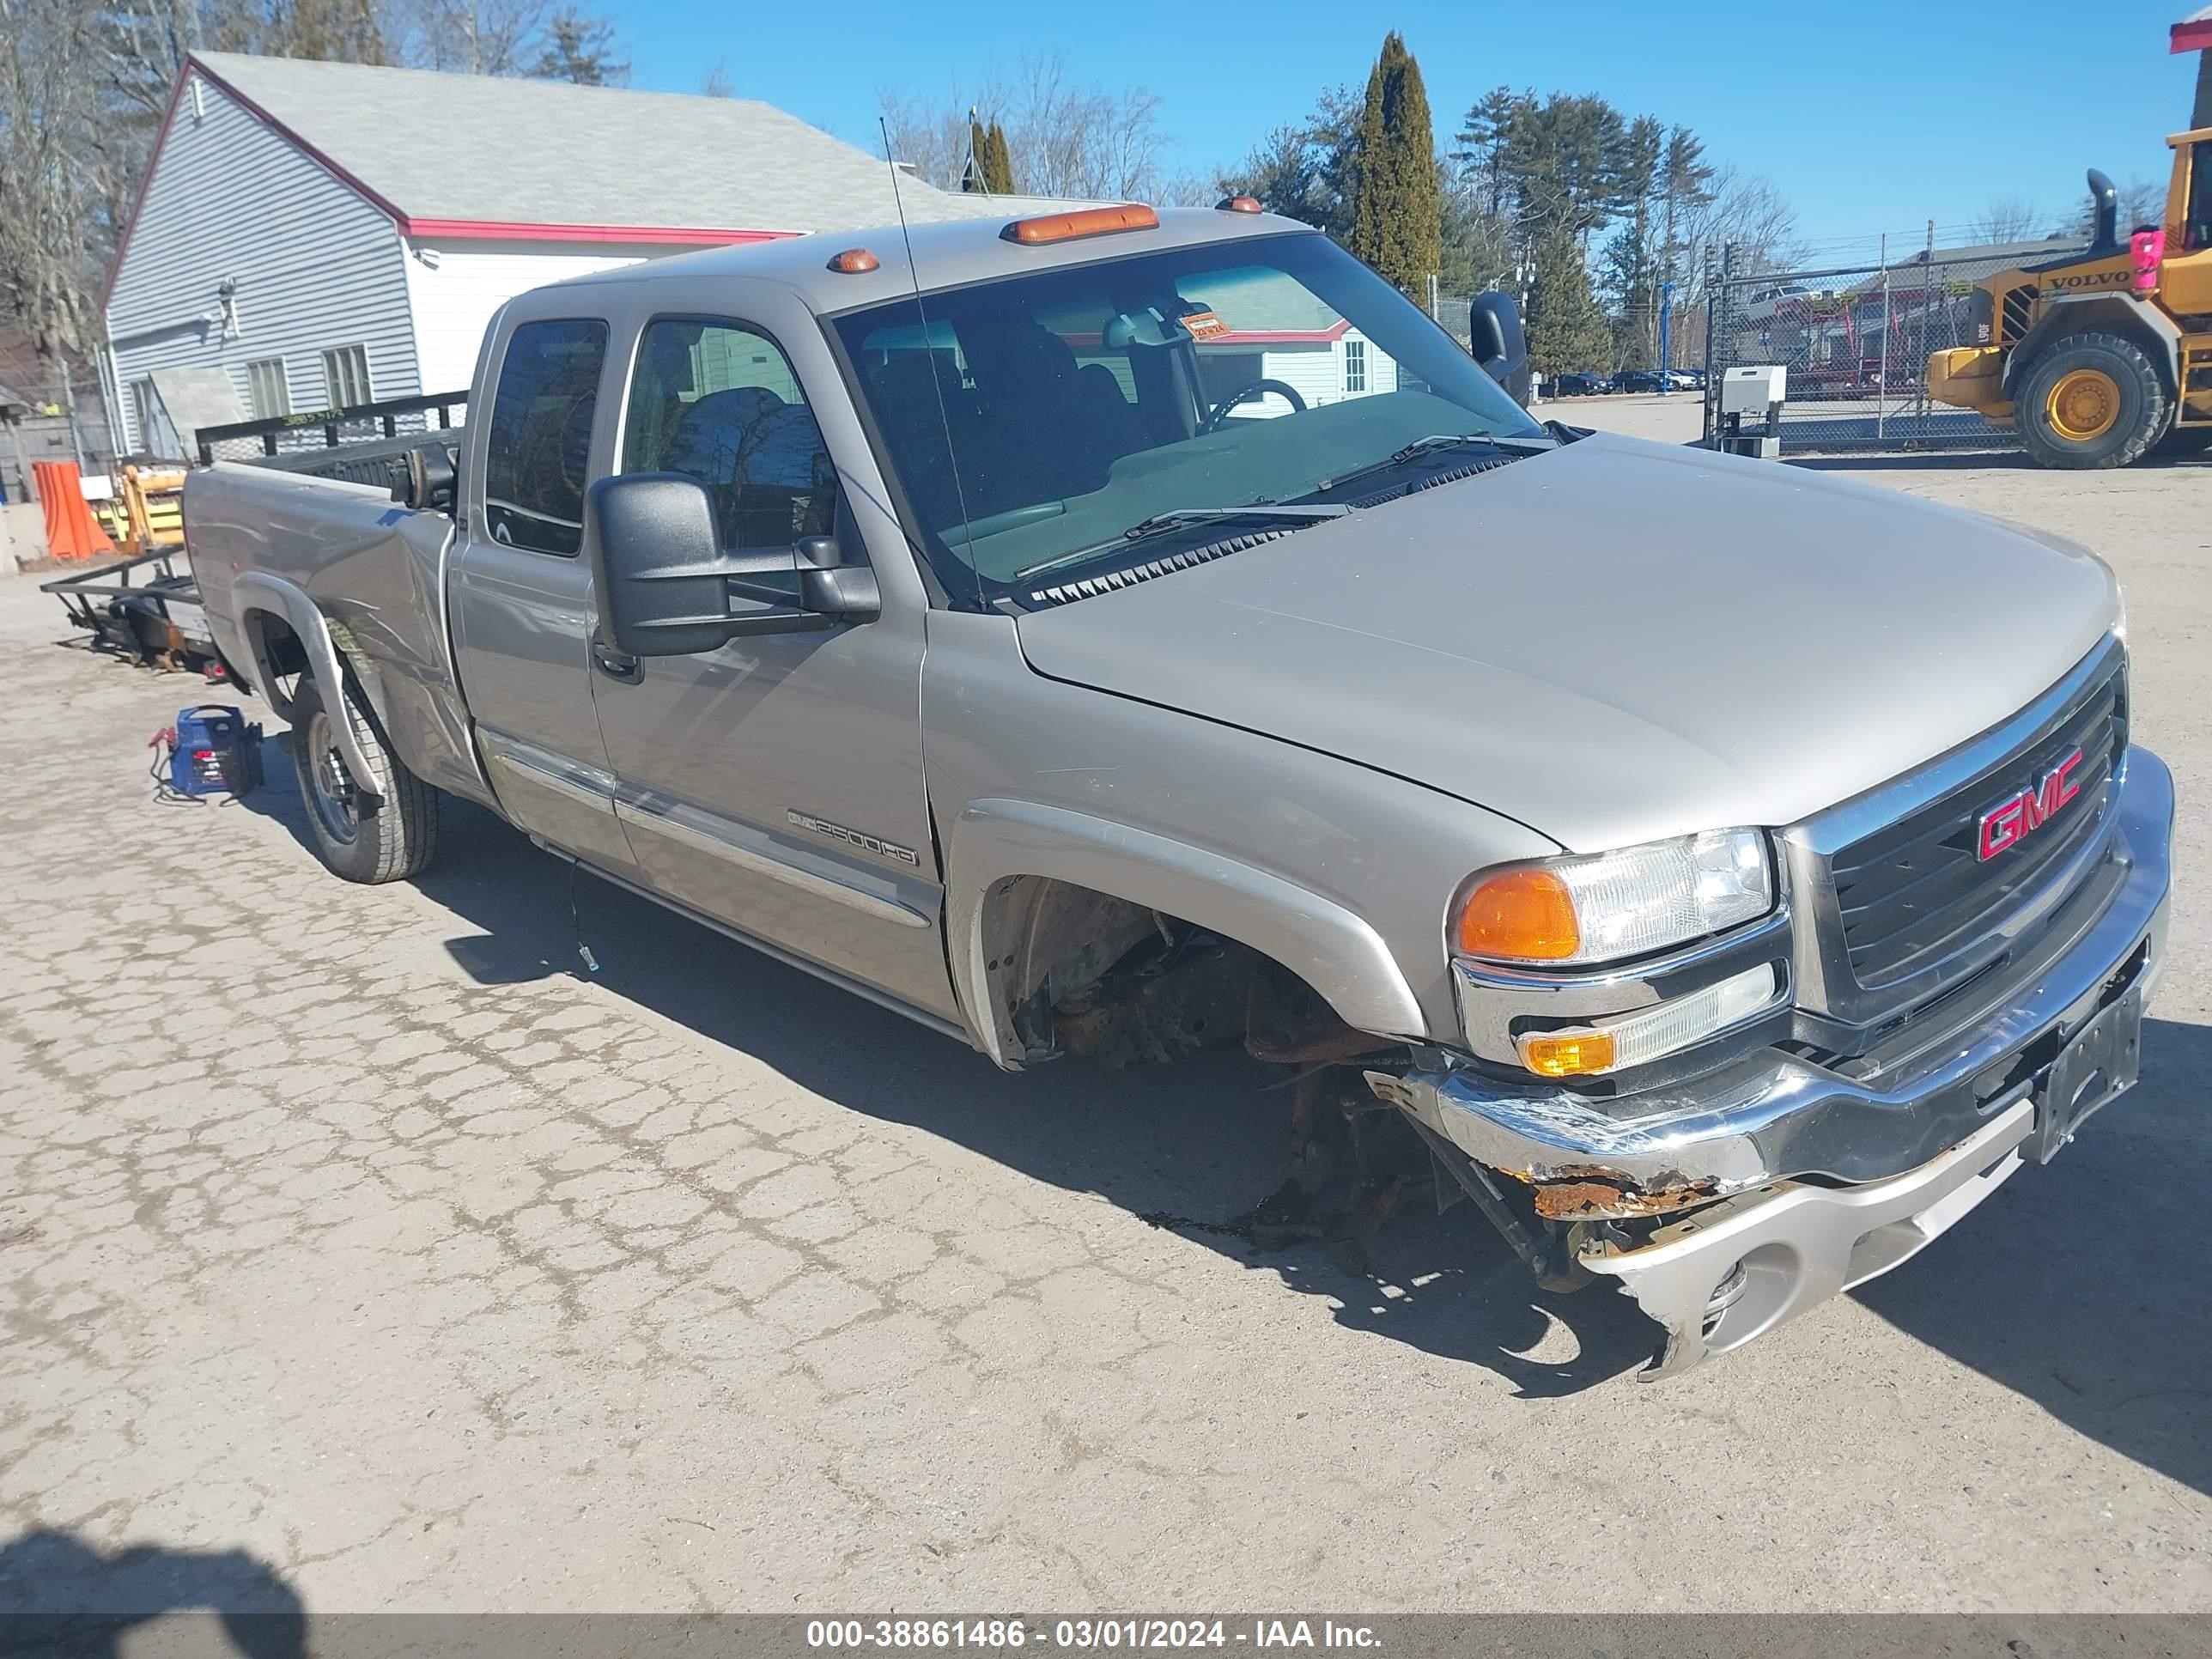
1086 1633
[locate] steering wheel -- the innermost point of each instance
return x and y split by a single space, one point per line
1244 394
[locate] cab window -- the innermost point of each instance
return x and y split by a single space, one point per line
2197 229
541 435
717 402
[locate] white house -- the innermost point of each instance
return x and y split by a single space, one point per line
329 234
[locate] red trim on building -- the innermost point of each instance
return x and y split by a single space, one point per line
2195 35
502 231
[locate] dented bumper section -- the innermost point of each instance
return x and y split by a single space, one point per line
1897 1149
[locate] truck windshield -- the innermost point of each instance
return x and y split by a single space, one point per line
1037 423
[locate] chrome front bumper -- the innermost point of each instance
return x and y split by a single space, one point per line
1921 1129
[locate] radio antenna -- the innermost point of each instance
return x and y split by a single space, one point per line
928 350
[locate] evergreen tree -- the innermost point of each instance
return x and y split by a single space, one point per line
975 175
1567 330
1396 220
999 171
1309 172
580 47
1633 258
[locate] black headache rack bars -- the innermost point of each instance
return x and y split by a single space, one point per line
386 414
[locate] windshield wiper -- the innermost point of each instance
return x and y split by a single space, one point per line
1178 517
1434 441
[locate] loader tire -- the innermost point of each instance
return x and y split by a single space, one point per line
368 839
2091 401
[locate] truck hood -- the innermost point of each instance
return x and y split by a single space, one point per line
1611 641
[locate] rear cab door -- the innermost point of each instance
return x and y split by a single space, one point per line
519 588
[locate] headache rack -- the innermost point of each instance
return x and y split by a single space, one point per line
290 440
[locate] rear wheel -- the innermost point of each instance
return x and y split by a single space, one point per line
385 836
2091 400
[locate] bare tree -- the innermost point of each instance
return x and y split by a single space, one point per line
2142 202
716 83
1066 137
471 37
60 179
2006 219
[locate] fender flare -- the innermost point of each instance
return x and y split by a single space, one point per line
256 592
2078 313
1336 952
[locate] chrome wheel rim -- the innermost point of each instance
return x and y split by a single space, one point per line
330 786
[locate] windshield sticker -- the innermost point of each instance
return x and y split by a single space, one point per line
1203 325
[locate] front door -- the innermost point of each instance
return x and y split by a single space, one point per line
522 592
773 783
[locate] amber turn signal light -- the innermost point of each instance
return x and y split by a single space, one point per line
1090 222
1567 1053
1519 915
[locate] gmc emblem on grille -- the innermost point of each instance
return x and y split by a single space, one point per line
2013 820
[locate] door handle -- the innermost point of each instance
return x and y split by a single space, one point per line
616 665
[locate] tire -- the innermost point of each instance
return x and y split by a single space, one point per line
2091 401
368 840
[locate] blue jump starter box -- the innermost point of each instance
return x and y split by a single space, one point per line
214 751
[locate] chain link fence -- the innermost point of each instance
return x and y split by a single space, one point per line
1855 341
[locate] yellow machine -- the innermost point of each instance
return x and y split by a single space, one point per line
2100 356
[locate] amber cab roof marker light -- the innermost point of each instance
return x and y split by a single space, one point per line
854 261
1086 221
1238 204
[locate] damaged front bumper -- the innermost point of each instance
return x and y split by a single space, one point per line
1831 1176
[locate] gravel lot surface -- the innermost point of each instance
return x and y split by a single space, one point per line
350 1242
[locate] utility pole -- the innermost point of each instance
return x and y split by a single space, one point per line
1666 320
2194 33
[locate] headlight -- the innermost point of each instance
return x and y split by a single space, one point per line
1610 906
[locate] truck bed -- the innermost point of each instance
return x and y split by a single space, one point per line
281 539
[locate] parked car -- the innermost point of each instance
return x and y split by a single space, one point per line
1640 380
1685 380
1580 385
919 624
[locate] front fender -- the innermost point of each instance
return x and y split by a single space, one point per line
1336 952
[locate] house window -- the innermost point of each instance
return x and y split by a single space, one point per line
345 377
144 407
266 388
1355 366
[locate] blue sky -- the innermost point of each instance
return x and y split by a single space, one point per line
1872 116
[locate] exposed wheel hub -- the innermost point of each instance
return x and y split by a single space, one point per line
2082 405
335 799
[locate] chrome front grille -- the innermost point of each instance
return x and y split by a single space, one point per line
1915 891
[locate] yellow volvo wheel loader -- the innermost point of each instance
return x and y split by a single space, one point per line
2100 356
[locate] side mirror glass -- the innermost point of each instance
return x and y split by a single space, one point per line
1499 344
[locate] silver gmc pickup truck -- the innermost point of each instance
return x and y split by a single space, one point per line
1110 632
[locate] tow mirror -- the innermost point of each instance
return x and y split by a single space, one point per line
663 580
1498 343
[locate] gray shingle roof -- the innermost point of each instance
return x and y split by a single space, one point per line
434 146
